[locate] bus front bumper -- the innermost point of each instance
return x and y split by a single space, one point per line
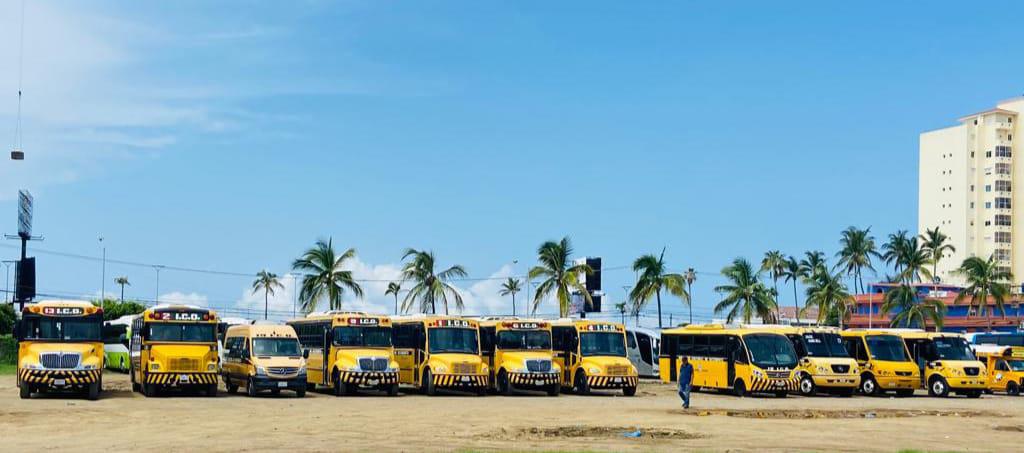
457 380
898 382
836 381
966 383
58 378
297 382
611 382
368 378
773 385
181 379
533 379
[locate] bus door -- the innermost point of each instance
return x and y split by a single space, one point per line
488 349
406 351
717 364
563 347
646 346
325 357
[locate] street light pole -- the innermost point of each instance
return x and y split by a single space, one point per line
157 267
103 286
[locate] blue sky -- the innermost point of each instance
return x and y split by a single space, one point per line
230 136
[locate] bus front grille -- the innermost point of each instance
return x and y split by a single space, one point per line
618 370
904 373
183 365
840 369
373 363
538 366
971 370
282 370
463 368
60 360
778 374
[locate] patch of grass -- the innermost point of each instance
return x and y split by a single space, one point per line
6 368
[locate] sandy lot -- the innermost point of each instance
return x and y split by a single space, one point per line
122 420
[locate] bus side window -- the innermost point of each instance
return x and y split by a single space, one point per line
716 346
684 345
737 352
631 340
1002 366
798 345
419 336
700 345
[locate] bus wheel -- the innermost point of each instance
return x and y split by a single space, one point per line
938 387
739 388
1012 389
93 393
135 385
25 391
629 391
428 383
504 386
232 388
580 386
868 385
250 388
807 386
393 390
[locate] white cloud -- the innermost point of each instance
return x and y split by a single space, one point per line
178 297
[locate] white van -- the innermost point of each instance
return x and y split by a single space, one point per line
642 347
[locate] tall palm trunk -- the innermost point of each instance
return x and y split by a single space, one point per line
659 308
513 304
689 291
266 304
122 293
796 305
778 306
396 303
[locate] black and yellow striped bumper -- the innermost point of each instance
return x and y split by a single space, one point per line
455 380
176 378
533 379
773 385
367 377
611 382
48 377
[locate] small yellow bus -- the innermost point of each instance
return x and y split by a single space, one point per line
263 357
884 361
60 347
518 353
174 346
348 351
946 362
592 356
1005 366
824 364
435 352
742 360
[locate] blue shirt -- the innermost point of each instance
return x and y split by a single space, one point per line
685 375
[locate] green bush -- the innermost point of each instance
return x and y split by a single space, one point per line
8 350
6 319
113 308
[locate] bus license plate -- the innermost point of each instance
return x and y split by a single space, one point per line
282 384
372 382
465 379
618 380
183 378
59 382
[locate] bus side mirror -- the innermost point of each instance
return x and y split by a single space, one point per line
305 353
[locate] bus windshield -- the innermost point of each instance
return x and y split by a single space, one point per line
824 345
63 329
602 343
887 347
365 337
953 348
771 351
275 347
1016 365
451 339
524 339
188 333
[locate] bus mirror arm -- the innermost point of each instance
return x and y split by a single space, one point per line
305 353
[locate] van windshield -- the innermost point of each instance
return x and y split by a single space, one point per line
453 340
364 337
887 347
524 339
602 343
1016 365
953 348
186 333
63 329
771 351
275 347
824 345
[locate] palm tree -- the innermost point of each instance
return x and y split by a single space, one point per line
691 276
621 307
915 262
857 247
912 313
813 263
324 277
123 281
511 286
394 288
430 286
268 283
774 263
984 280
896 249
826 291
561 277
934 243
653 278
745 295
792 272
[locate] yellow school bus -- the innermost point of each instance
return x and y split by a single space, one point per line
1005 366
823 362
946 362
592 356
60 347
884 361
742 360
440 352
348 351
174 346
518 353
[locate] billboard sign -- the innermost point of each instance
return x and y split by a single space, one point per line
24 214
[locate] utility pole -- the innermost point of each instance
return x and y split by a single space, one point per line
157 267
103 286
7 286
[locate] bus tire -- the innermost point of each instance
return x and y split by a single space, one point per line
232 388
938 387
428 383
629 391
739 388
580 386
393 390
135 385
504 386
250 388
807 387
25 391
1012 389
554 389
869 386
339 387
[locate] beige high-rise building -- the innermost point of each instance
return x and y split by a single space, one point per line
969 187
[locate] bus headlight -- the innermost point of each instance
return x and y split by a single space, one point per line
302 370
595 371
260 371
33 366
440 368
350 368
822 370
758 374
211 367
154 367
520 370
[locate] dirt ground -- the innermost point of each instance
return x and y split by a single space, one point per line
121 420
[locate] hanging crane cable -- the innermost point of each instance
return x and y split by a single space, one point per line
17 153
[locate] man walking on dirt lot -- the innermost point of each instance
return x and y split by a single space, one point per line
685 378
